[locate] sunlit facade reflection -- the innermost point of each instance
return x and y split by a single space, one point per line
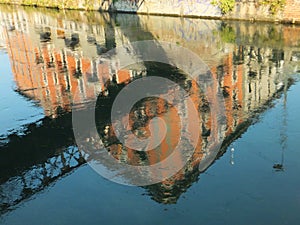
63 69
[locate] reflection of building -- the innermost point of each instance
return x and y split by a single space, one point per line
245 88
56 75
2 37
52 76
51 72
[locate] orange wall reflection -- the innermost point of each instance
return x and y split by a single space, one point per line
55 76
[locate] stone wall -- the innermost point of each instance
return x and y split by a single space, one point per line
244 9
250 10
291 11
60 4
172 7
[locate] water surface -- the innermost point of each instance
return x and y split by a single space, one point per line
44 178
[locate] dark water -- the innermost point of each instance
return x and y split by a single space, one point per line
252 177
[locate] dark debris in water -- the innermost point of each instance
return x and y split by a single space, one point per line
278 167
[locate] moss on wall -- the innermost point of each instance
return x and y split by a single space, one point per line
60 4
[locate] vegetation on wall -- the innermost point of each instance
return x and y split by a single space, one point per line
225 5
63 4
227 33
275 5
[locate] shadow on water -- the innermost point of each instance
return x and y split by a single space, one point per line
249 65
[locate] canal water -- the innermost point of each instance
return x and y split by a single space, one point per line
238 160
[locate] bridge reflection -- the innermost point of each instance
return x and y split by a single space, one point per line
51 71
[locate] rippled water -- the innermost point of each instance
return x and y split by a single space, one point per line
244 167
